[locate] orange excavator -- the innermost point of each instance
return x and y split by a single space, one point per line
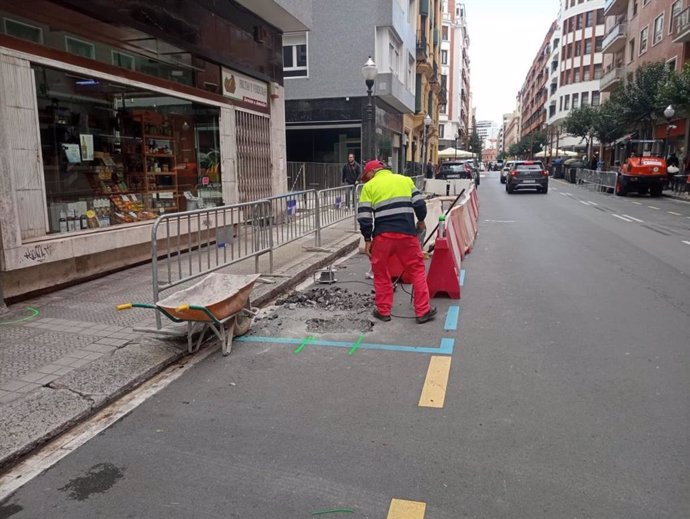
644 170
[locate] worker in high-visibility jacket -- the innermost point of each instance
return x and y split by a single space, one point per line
388 205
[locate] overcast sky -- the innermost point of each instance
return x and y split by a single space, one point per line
505 36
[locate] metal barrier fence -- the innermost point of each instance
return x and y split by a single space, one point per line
335 205
678 184
303 176
188 245
293 216
604 181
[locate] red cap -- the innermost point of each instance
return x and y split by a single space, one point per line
373 165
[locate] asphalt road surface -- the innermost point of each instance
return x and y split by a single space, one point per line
563 392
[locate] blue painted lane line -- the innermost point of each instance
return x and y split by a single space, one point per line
462 277
445 348
452 318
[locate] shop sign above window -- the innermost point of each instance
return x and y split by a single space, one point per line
244 88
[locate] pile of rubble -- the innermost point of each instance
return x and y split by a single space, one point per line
330 298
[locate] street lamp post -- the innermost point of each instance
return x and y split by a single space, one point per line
369 72
427 123
668 113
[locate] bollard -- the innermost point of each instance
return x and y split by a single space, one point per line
441 226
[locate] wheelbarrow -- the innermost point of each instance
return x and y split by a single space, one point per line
219 303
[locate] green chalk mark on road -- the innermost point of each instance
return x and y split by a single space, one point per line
356 345
34 313
304 343
334 511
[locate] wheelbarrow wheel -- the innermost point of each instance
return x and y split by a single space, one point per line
243 321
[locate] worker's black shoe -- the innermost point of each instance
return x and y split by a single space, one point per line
380 316
429 316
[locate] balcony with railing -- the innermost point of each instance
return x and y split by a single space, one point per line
422 46
681 30
611 79
615 7
616 38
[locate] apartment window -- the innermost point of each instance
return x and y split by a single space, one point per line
80 47
393 58
598 43
634 8
631 48
566 103
644 37
576 75
676 8
576 99
295 55
671 64
658 29
23 31
560 106
585 98
444 33
587 74
120 59
411 68
444 57
442 127
595 98
569 51
588 47
601 19
578 48
578 22
597 71
589 18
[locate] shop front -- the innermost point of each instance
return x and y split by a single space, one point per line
103 128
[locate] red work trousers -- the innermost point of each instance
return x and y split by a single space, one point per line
408 250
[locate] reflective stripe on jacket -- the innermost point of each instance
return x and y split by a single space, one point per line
389 203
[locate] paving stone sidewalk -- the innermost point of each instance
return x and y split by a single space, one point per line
66 354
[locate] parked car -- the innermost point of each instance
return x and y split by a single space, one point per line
454 169
498 166
527 174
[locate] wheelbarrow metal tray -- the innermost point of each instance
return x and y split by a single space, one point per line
223 295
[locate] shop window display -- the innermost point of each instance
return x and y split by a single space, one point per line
114 155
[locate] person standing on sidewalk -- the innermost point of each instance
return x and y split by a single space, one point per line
351 173
388 205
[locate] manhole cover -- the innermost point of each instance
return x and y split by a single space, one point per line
339 325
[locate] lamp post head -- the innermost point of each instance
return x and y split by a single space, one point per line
427 120
669 112
369 70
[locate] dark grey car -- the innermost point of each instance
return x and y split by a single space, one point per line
527 174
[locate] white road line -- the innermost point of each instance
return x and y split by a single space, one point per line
70 441
583 202
686 242
622 218
676 214
633 218
652 207
592 203
637 203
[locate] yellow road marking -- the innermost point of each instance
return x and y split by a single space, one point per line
434 391
401 509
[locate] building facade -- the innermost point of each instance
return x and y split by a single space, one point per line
580 66
326 96
455 70
639 32
110 116
534 91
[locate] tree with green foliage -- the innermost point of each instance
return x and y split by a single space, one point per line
580 123
643 97
606 122
676 91
475 144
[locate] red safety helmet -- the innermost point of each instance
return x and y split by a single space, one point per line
370 168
